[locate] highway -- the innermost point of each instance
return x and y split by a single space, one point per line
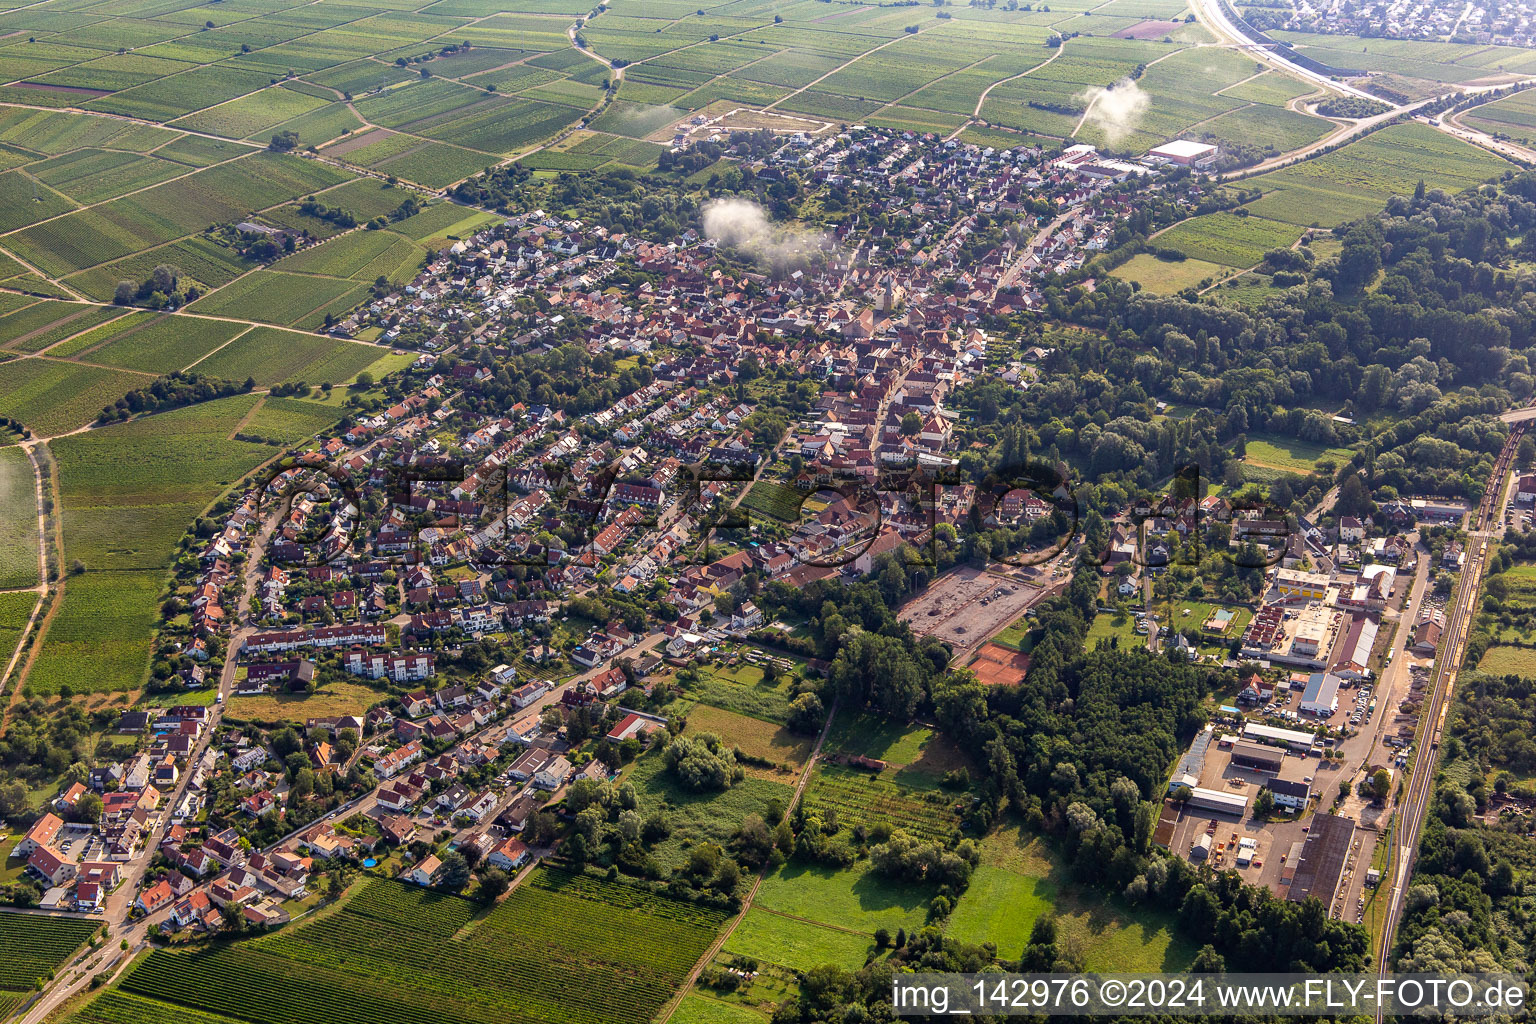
1215 18
1484 527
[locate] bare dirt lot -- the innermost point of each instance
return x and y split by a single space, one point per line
966 606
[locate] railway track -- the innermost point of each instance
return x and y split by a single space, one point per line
1483 528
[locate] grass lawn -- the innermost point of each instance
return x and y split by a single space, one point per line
698 1008
1110 625
698 817
796 944
1291 454
919 755
1182 614
1013 637
740 688
876 736
1163 277
1505 660
1001 906
848 897
755 737
328 701
1020 878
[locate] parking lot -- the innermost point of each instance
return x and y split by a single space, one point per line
967 606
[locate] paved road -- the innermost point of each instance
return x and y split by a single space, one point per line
1212 15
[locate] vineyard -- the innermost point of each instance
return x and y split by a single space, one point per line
561 949
864 798
33 947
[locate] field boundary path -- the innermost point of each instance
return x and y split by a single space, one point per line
746 904
41 589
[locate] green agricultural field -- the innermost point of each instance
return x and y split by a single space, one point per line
170 210
288 420
100 636
1164 277
30 329
1513 117
274 356
252 115
15 608
196 151
1509 660
18 520
697 1008
561 949
169 343
636 120
1228 239
441 222
24 200
129 490
201 260
93 175
55 398
272 296
1357 180
360 256
797 944
33 947
78 319
850 898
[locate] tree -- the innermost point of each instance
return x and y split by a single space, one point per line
284 141
911 425
88 808
1354 499
806 714
1264 804
1208 961
126 293
493 882
1381 783
454 874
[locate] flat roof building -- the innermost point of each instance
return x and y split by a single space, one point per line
1217 802
1322 858
1257 758
1293 738
1321 696
1185 153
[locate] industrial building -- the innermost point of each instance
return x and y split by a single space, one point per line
1293 738
1185 153
1296 583
1214 801
1321 697
1352 655
1257 758
1322 858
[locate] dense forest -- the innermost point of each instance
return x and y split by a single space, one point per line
1406 344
